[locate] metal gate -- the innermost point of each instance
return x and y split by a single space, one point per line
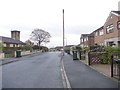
115 66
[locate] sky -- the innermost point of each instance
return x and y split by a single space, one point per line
80 17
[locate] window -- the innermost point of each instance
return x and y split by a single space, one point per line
16 45
87 38
96 33
101 32
118 25
110 43
81 40
84 39
109 28
7 45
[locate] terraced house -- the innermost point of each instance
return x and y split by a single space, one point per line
108 34
99 36
87 40
112 29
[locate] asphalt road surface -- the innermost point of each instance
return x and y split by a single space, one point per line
39 71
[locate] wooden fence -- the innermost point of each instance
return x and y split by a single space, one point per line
95 57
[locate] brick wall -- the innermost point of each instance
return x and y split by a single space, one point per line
112 19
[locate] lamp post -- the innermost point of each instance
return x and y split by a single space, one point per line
63 33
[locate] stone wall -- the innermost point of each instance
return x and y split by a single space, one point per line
23 53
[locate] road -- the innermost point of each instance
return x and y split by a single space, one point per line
44 71
39 71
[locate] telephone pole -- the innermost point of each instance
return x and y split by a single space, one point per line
63 33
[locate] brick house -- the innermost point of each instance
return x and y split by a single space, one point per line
108 34
99 36
86 40
112 29
91 39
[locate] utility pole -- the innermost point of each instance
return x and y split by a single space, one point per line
63 33
66 41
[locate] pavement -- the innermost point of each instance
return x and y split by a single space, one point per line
10 60
105 69
81 75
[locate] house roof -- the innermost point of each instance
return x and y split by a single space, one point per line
87 35
99 28
116 12
69 45
91 34
10 40
84 35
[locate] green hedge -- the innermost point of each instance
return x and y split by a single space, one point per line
7 49
1 47
24 48
106 57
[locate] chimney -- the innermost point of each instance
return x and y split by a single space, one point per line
15 35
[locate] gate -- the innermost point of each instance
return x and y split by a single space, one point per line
82 54
97 57
115 66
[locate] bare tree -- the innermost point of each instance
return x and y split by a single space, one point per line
40 36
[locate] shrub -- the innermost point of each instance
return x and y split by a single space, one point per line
1 47
106 57
26 48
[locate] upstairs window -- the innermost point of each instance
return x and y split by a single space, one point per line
118 25
85 39
96 33
81 40
109 28
101 32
